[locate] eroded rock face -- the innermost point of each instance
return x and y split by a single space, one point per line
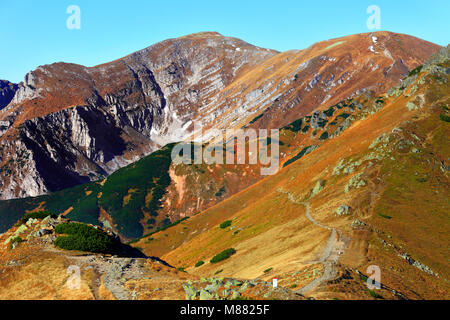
68 124
7 92
73 124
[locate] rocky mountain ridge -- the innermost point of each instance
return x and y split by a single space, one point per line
54 127
7 92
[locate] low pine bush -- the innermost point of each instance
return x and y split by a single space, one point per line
82 237
14 241
199 264
225 224
223 255
444 117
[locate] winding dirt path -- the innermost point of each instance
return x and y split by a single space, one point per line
330 254
328 259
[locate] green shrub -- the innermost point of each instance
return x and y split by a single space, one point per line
268 270
384 216
256 118
36 215
15 240
329 112
305 151
83 238
223 255
162 229
374 294
444 117
225 224
415 71
324 136
220 192
294 126
322 122
199 264
343 115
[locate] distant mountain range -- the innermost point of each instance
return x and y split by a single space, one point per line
363 183
54 126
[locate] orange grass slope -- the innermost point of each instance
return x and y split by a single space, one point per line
35 269
390 169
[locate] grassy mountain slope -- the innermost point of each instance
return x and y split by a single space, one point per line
124 202
153 192
389 168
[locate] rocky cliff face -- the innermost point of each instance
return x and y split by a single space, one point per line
69 124
7 92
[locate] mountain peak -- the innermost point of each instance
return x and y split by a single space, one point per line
203 34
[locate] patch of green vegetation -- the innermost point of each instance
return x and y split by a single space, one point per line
299 155
223 255
142 183
292 286
181 269
444 117
148 175
163 228
329 112
343 115
14 241
226 224
363 277
323 136
294 126
81 237
322 122
268 270
415 71
220 192
256 118
36 215
374 294
384 216
218 271
305 129
199 263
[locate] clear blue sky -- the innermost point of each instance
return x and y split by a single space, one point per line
34 33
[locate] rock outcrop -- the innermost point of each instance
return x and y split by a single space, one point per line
7 92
